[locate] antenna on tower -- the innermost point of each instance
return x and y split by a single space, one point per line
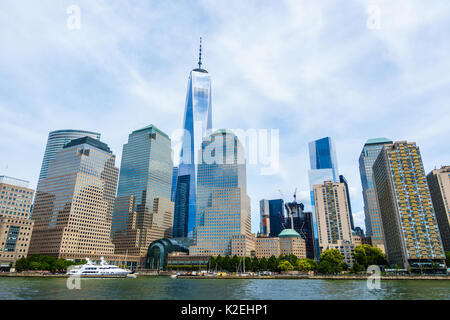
200 55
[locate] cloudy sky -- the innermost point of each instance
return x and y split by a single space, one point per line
350 69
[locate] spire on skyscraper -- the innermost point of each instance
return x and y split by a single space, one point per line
200 55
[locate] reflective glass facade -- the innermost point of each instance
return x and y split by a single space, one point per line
145 173
73 207
324 167
223 206
197 124
56 141
372 218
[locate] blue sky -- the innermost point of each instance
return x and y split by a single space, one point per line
308 68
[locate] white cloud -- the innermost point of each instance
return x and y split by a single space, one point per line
311 69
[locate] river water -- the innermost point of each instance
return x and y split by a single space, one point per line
159 288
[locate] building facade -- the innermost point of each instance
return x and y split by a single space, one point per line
15 224
56 141
197 124
332 214
347 189
73 206
292 243
223 206
264 211
439 185
302 222
410 228
143 210
324 167
372 218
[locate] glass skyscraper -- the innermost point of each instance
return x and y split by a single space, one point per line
324 167
347 189
56 141
145 174
372 217
72 211
197 124
223 206
274 210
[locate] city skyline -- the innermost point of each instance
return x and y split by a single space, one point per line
250 73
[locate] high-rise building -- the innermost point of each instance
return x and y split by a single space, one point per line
223 206
197 124
74 203
411 233
272 214
347 189
15 223
372 218
56 141
302 222
439 184
332 215
324 167
174 183
143 210
264 227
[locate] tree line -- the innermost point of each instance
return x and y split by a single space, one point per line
330 262
45 263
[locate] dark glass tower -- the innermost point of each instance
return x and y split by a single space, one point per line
302 222
197 124
344 181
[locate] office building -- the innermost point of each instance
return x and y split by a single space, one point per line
56 141
372 218
264 210
302 222
223 206
332 214
15 224
439 184
74 203
273 210
174 183
197 125
143 210
292 243
324 167
411 232
347 189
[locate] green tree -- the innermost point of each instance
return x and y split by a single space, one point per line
366 255
357 268
263 264
235 262
285 266
272 264
447 258
226 264
255 264
303 265
219 263
248 264
331 261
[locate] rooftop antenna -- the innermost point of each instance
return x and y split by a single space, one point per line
200 55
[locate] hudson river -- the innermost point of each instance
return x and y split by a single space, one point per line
179 289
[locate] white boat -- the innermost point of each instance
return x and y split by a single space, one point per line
103 269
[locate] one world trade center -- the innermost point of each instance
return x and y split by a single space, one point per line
197 124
